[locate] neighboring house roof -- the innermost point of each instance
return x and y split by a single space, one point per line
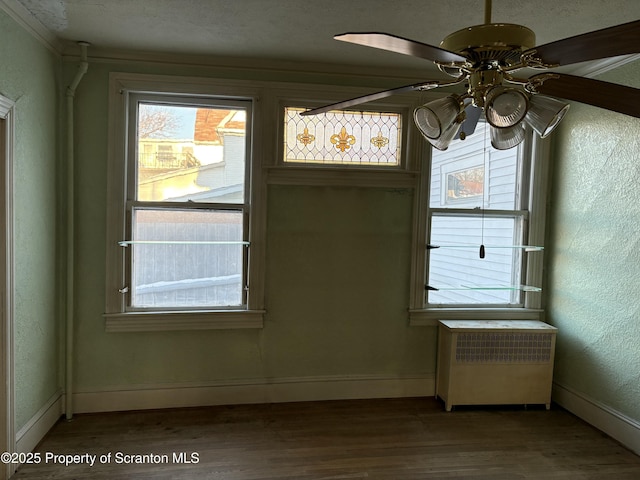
207 121
210 120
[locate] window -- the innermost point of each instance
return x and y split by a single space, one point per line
342 138
483 230
186 236
181 211
475 200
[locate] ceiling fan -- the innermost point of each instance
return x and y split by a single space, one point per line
485 59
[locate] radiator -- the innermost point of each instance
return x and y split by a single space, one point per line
493 362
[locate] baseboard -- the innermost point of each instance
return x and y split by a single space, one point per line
252 391
30 435
618 426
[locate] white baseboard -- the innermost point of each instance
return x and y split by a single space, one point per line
252 391
618 426
30 435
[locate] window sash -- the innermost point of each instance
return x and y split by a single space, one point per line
188 245
474 154
478 283
135 99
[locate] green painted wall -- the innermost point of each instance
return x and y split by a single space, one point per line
337 281
30 76
594 252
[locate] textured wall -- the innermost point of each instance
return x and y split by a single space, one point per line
594 254
30 76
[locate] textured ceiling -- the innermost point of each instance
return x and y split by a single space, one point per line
302 30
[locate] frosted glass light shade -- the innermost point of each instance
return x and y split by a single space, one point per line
506 138
434 118
545 114
447 136
505 106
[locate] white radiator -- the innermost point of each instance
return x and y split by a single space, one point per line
482 362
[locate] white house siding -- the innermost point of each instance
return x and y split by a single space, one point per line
187 274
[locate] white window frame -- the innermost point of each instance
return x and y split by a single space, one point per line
536 153
404 175
133 203
118 318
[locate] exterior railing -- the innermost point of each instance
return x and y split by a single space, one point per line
164 160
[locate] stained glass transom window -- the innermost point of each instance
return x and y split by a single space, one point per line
342 138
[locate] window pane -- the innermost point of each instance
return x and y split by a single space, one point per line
342 138
457 270
193 258
189 153
459 179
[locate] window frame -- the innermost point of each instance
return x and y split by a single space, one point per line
519 213
118 316
132 204
535 155
404 119
268 168
404 175
268 99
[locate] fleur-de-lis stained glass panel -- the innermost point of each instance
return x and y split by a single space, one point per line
342 138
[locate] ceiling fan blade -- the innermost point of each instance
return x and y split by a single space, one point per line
608 42
469 124
393 43
618 98
371 97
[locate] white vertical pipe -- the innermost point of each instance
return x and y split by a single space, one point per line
70 311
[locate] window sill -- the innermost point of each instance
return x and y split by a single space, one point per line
175 321
430 317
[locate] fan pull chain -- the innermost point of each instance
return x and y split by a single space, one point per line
484 176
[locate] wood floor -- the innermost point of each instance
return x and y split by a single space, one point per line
395 439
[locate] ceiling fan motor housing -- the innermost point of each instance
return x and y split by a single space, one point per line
489 48
490 45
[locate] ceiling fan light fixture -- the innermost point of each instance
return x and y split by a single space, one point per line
506 138
545 113
447 136
434 118
505 106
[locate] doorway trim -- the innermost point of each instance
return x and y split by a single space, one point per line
7 412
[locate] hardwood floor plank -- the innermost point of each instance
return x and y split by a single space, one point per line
393 439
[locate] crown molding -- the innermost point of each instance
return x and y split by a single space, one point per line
375 75
276 66
26 20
